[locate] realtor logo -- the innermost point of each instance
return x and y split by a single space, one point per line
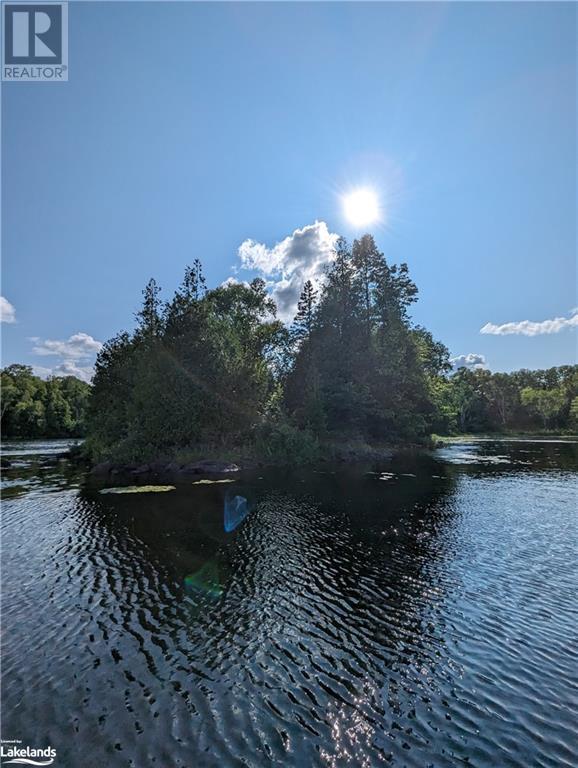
35 42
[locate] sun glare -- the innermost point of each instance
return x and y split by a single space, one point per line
361 207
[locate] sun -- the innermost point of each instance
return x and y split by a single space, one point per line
361 207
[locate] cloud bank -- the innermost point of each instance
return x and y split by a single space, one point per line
77 353
79 346
286 266
472 361
7 311
66 368
530 328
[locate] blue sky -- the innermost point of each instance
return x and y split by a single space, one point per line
187 129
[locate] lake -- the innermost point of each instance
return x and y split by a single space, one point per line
420 612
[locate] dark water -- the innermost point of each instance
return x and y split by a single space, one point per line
427 618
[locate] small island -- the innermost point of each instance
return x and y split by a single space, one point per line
212 380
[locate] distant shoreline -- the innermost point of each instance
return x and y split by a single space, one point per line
521 436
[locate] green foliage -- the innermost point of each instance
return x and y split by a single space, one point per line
213 370
523 401
359 368
32 407
573 414
544 403
197 371
284 442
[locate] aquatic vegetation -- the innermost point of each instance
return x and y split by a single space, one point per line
206 481
139 489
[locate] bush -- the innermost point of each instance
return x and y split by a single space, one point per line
284 442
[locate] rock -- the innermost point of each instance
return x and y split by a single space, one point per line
249 463
158 466
101 469
207 467
161 468
144 469
122 469
212 467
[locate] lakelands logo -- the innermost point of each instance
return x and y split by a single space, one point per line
35 42
12 755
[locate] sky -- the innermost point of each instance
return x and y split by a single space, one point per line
232 132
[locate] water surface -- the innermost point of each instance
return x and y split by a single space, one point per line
416 613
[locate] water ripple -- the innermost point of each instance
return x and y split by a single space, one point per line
430 620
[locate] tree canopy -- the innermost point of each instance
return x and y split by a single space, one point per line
522 401
32 407
216 368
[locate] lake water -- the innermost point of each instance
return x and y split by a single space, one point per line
418 613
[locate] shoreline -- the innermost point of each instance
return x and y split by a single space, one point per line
174 470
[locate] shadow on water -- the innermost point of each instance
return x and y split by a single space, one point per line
295 617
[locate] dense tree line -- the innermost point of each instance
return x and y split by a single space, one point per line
215 369
32 407
523 401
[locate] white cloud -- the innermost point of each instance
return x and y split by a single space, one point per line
233 281
66 368
80 346
70 368
77 355
7 311
41 371
301 256
471 360
531 328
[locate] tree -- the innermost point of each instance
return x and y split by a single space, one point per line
359 363
573 414
302 327
215 368
32 407
149 322
503 399
366 260
544 403
58 413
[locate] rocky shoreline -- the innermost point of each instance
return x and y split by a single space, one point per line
166 470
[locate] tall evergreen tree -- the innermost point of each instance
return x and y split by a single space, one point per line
367 261
149 320
302 327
